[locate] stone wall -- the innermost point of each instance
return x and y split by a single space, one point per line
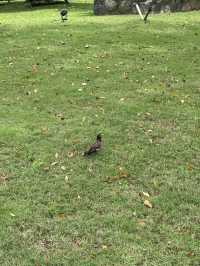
102 7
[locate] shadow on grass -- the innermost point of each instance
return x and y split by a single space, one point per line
14 7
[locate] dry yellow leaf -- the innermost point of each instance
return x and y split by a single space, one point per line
61 215
34 69
190 167
125 75
70 154
145 194
90 169
3 178
148 204
54 163
44 130
141 222
61 116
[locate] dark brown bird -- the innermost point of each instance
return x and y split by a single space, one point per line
63 14
94 147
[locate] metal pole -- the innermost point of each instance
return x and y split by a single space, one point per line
139 11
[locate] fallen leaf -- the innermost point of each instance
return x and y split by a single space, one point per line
141 222
147 204
145 194
54 163
12 214
3 178
63 167
100 97
122 173
70 154
46 168
46 259
77 242
148 114
61 116
61 215
90 170
125 75
34 68
189 167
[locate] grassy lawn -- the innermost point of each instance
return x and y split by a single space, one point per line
60 85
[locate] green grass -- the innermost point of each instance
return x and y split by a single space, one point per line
143 93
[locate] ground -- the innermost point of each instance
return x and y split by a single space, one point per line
60 85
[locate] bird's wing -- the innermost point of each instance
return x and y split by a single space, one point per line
95 147
92 149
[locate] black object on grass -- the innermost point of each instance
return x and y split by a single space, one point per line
63 14
94 147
